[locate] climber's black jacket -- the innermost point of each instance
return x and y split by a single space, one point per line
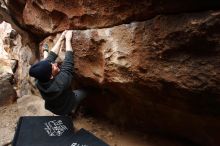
57 93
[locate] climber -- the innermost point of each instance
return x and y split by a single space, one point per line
54 83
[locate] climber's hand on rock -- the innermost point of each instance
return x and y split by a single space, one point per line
62 35
68 35
56 47
68 40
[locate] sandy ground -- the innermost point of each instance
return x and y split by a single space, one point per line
114 136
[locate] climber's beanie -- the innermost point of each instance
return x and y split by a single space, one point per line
41 71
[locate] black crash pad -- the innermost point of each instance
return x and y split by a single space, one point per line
52 131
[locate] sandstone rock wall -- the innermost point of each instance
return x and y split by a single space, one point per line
163 73
11 48
8 94
49 16
157 63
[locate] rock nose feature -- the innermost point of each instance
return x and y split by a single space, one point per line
50 16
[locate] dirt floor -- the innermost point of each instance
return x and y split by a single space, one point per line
114 136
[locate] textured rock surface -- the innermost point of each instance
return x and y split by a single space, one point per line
48 16
162 74
6 69
11 48
8 94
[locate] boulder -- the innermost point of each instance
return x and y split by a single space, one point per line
158 71
12 49
8 94
159 75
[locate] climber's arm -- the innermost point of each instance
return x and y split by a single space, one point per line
52 55
68 37
66 71
67 66
45 51
56 47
